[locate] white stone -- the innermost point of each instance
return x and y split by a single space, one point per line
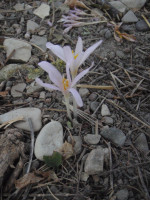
119 6
135 4
105 110
33 87
19 7
31 26
49 139
84 176
42 11
33 113
22 49
16 90
83 92
94 162
129 17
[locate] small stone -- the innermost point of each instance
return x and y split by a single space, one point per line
122 194
27 36
42 32
33 87
22 49
83 92
94 162
141 143
129 17
84 176
50 139
94 105
93 97
120 54
108 34
39 41
108 120
16 90
19 7
92 139
142 26
42 11
135 4
1 17
78 143
31 26
119 6
42 95
105 110
26 113
115 135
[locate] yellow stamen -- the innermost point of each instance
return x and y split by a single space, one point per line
65 83
75 56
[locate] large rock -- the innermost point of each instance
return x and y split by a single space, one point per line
33 113
119 6
22 50
129 17
135 4
39 41
31 26
17 90
49 139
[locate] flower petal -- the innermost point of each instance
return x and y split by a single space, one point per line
68 55
76 96
89 51
50 86
80 75
54 74
79 46
57 50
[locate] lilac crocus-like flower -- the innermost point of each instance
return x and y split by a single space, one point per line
73 59
65 85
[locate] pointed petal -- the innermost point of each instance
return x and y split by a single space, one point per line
89 51
68 73
79 46
54 74
80 75
50 86
76 96
56 49
68 55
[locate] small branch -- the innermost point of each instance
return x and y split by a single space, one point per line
100 87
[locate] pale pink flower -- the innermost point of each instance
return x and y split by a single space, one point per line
73 59
65 85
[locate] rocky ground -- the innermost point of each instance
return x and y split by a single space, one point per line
105 151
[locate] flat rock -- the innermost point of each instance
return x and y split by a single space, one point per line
141 143
39 41
49 139
115 135
42 11
22 49
119 6
135 4
19 7
129 17
16 90
78 143
108 120
31 26
33 87
94 105
33 113
142 26
92 139
95 161
105 110
9 70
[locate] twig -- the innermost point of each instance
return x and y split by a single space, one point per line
52 193
147 22
102 87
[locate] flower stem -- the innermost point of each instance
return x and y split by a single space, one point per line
74 102
67 106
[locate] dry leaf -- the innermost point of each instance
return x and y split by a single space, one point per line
4 93
35 177
76 3
67 150
8 123
119 36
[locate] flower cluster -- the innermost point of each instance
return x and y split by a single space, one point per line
73 60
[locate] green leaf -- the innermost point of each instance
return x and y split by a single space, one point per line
54 160
69 125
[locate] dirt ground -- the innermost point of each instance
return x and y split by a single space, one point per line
124 65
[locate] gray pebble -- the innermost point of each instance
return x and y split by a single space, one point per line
142 26
122 194
108 34
94 105
120 54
